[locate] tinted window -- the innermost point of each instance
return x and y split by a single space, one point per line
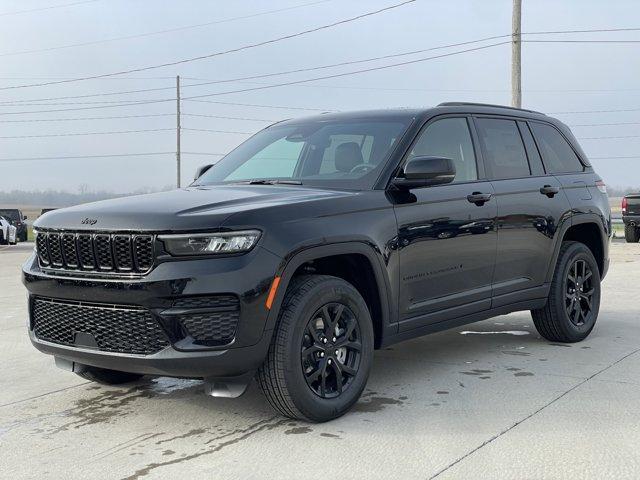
332 153
12 215
503 151
449 138
557 154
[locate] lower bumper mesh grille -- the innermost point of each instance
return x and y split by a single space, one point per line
116 328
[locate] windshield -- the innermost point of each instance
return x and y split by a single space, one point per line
340 154
10 215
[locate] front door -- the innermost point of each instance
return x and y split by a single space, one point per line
446 234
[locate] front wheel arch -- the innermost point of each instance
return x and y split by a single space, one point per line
384 325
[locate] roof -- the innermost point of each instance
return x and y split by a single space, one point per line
410 113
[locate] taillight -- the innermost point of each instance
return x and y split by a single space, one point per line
601 186
624 204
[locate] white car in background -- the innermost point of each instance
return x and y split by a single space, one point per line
8 232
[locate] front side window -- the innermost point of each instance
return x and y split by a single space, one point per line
449 138
557 154
503 150
332 153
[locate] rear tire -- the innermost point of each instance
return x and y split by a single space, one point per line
631 234
321 351
574 297
108 377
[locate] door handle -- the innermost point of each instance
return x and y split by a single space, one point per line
479 198
549 191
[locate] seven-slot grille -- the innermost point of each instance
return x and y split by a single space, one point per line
100 252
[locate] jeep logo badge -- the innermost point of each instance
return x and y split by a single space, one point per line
89 221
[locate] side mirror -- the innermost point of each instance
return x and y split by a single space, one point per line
24 217
426 171
201 171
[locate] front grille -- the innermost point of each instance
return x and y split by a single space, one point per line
109 328
208 320
102 252
226 302
211 328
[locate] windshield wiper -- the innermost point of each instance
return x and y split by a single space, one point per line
272 182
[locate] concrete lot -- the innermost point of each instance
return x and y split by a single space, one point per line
485 404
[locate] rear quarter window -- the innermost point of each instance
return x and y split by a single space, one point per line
557 154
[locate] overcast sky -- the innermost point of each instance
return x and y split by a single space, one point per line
557 77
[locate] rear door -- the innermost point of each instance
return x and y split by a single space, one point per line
529 202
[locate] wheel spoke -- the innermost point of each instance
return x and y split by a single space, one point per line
323 381
313 376
311 328
310 350
347 370
334 322
326 318
338 373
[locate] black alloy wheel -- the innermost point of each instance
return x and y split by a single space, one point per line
573 301
330 354
579 292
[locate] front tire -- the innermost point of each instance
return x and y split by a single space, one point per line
108 377
574 297
631 234
321 351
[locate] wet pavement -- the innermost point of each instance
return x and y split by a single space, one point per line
487 400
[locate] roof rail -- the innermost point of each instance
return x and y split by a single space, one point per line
472 104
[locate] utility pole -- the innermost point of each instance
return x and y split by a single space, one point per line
178 130
516 47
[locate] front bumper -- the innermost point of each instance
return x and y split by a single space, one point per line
247 277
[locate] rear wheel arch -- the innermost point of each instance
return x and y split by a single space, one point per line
588 230
355 262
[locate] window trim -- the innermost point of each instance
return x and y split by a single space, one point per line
582 162
476 148
489 173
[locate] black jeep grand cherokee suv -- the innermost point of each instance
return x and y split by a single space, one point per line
319 240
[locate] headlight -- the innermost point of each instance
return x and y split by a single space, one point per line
210 243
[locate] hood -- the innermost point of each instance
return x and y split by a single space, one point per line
188 209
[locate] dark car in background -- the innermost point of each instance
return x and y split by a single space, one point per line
631 217
18 220
319 240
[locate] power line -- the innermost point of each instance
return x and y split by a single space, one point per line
229 118
89 133
216 54
581 41
597 111
160 32
31 120
205 153
90 108
344 74
301 70
81 157
283 107
602 124
213 131
592 30
614 157
608 138
51 7
267 75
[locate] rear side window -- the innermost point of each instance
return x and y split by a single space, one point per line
557 154
449 138
503 150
